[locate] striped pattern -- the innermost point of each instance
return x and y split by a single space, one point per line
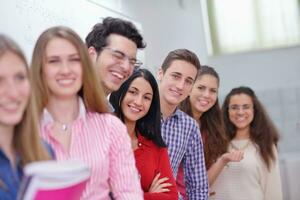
101 141
182 136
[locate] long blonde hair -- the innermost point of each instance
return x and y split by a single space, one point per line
92 92
26 140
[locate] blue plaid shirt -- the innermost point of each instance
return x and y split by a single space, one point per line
182 136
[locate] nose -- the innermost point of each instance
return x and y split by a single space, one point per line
138 100
240 110
127 66
181 84
65 68
11 89
206 93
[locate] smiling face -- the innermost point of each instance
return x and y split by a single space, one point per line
115 62
204 94
137 100
62 69
14 89
241 112
176 82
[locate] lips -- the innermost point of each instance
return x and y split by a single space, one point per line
175 93
118 75
203 102
134 108
11 106
66 82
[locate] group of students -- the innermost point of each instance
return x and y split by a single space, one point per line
141 138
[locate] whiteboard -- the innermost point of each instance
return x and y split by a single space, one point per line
25 20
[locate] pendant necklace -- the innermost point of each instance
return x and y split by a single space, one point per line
64 127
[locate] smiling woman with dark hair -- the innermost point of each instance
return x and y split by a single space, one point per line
250 130
137 104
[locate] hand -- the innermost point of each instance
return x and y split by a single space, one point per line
159 184
234 156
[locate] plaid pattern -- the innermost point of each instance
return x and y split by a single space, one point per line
182 136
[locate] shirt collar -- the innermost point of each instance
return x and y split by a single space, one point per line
48 119
175 114
144 140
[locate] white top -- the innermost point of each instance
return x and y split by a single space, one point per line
248 179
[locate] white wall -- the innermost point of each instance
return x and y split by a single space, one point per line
170 24
273 74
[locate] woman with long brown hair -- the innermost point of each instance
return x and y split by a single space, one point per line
19 139
250 130
203 105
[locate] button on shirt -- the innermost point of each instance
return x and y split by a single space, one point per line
101 141
10 178
182 136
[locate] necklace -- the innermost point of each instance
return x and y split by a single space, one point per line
242 148
64 127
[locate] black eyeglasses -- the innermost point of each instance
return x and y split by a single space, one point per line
120 56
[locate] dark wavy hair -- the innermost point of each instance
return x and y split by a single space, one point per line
262 130
212 127
149 125
101 31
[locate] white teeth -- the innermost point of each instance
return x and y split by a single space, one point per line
203 102
120 76
134 109
65 81
240 119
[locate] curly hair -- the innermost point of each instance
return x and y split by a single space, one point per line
101 31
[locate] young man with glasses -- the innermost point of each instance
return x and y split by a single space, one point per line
180 132
113 46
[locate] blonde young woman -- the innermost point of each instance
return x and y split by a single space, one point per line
19 139
73 107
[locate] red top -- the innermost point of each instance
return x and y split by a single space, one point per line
151 160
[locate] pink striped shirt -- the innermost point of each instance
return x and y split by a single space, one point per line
100 140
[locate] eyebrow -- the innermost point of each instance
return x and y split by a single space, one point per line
56 56
139 90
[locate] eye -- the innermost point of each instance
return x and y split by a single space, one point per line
189 82
75 59
132 61
214 91
118 55
53 61
234 107
175 76
148 98
20 77
201 87
133 92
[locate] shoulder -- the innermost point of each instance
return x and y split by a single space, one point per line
107 119
185 118
107 123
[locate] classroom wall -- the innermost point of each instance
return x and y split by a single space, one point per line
273 74
171 24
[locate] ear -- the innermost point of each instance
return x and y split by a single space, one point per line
160 74
93 53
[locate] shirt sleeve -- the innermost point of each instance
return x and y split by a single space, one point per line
164 169
195 175
273 190
123 173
